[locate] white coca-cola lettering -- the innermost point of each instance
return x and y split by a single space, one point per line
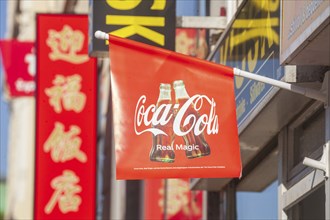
214 128
152 116
198 124
141 115
165 117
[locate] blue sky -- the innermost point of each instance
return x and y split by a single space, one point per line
258 205
3 104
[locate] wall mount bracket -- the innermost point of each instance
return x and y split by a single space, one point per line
323 164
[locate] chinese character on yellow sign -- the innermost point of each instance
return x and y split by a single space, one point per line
65 190
65 45
65 146
66 92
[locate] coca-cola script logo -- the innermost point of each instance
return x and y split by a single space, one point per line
152 116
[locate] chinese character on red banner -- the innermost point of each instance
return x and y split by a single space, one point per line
175 116
65 146
66 91
65 193
66 44
181 203
66 113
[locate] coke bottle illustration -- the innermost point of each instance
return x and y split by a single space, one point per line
203 148
162 145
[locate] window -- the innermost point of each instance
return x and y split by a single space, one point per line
312 207
308 137
305 138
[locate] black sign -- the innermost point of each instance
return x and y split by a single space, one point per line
147 21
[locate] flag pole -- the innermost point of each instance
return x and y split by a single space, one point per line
308 92
101 35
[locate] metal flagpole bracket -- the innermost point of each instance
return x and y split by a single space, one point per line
101 35
323 164
310 93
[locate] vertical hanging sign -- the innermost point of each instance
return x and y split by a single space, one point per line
19 63
154 198
66 119
181 202
150 22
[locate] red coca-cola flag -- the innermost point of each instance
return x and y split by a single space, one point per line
18 59
174 116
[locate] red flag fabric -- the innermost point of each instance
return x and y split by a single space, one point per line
18 59
174 116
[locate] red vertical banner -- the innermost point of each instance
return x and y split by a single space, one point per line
66 110
182 203
154 195
18 59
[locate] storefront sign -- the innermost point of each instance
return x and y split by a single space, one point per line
252 44
65 184
19 63
301 21
174 115
151 22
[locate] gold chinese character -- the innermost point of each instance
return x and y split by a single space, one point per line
195 209
178 195
184 44
179 198
65 190
65 44
66 92
63 145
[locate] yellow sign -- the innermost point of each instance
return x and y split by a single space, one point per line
252 44
147 21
